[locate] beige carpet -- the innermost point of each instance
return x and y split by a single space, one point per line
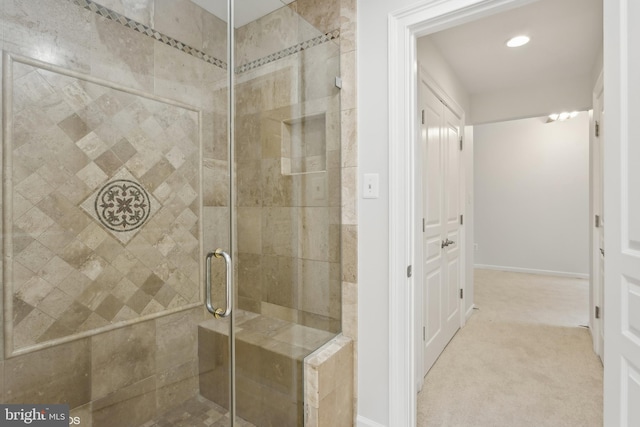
521 360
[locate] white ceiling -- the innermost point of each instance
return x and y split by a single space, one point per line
566 36
245 11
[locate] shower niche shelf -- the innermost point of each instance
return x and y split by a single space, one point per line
304 145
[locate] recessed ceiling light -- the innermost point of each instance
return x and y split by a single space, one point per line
561 117
518 41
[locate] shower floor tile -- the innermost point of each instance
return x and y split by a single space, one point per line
195 412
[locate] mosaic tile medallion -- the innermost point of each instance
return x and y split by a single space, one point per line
122 206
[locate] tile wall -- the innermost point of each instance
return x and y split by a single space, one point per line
329 390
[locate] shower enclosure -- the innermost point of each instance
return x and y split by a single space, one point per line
162 157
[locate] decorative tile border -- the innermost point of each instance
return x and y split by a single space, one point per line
147 31
170 41
332 35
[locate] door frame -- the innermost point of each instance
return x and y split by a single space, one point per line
621 206
404 26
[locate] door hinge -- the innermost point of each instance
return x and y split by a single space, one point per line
424 333
422 116
460 143
598 222
423 226
461 293
597 130
409 271
461 219
597 312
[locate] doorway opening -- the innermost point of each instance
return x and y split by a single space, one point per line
423 21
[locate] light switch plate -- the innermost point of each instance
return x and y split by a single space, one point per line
371 186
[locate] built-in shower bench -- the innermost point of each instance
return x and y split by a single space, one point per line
269 366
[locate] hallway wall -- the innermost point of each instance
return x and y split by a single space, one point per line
532 195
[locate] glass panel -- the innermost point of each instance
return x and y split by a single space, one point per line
288 206
112 113
287 210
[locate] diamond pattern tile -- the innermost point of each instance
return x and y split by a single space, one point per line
92 244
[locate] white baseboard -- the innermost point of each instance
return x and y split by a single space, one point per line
533 271
365 422
470 311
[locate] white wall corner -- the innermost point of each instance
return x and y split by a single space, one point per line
365 422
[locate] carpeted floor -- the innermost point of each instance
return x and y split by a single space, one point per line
521 360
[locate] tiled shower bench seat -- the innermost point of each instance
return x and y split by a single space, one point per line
269 366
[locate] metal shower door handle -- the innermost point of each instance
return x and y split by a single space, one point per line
219 312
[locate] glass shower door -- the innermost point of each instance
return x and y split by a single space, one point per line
275 210
216 345
105 107
133 145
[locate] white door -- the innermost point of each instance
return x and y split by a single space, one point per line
441 187
597 272
622 211
452 132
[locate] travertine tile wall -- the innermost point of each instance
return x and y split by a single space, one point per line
349 223
329 389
